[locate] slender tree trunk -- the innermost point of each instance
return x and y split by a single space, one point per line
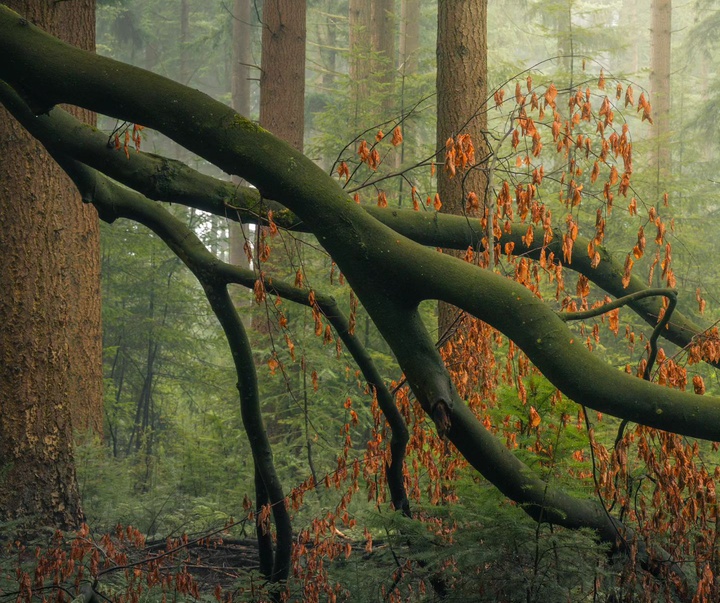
184 71
409 36
461 95
50 333
282 112
408 66
282 108
660 90
382 23
241 57
360 49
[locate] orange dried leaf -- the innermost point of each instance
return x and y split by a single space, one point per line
382 199
534 418
397 137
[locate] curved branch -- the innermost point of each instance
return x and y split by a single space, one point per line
44 68
425 371
619 303
171 180
48 70
168 180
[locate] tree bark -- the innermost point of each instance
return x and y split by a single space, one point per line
282 79
461 94
50 333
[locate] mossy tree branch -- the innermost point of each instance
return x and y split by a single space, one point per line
168 180
390 273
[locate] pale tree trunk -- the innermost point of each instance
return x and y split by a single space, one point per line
409 36
372 57
630 12
241 57
50 331
461 95
184 74
660 90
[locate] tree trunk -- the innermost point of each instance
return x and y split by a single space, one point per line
282 112
282 77
461 94
409 36
382 23
408 66
282 109
360 48
241 36
660 90
50 333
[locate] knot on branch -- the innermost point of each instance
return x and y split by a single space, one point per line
440 414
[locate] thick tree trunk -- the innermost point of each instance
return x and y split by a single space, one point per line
461 94
50 336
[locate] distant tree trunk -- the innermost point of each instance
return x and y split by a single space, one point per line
184 72
360 49
408 66
461 95
382 24
50 332
282 77
660 89
409 36
241 57
282 112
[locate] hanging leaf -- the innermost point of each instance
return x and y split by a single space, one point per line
534 418
397 136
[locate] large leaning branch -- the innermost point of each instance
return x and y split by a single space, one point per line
390 273
49 72
168 180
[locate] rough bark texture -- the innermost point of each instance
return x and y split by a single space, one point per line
282 102
282 80
282 112
660 88
461 95
50 336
